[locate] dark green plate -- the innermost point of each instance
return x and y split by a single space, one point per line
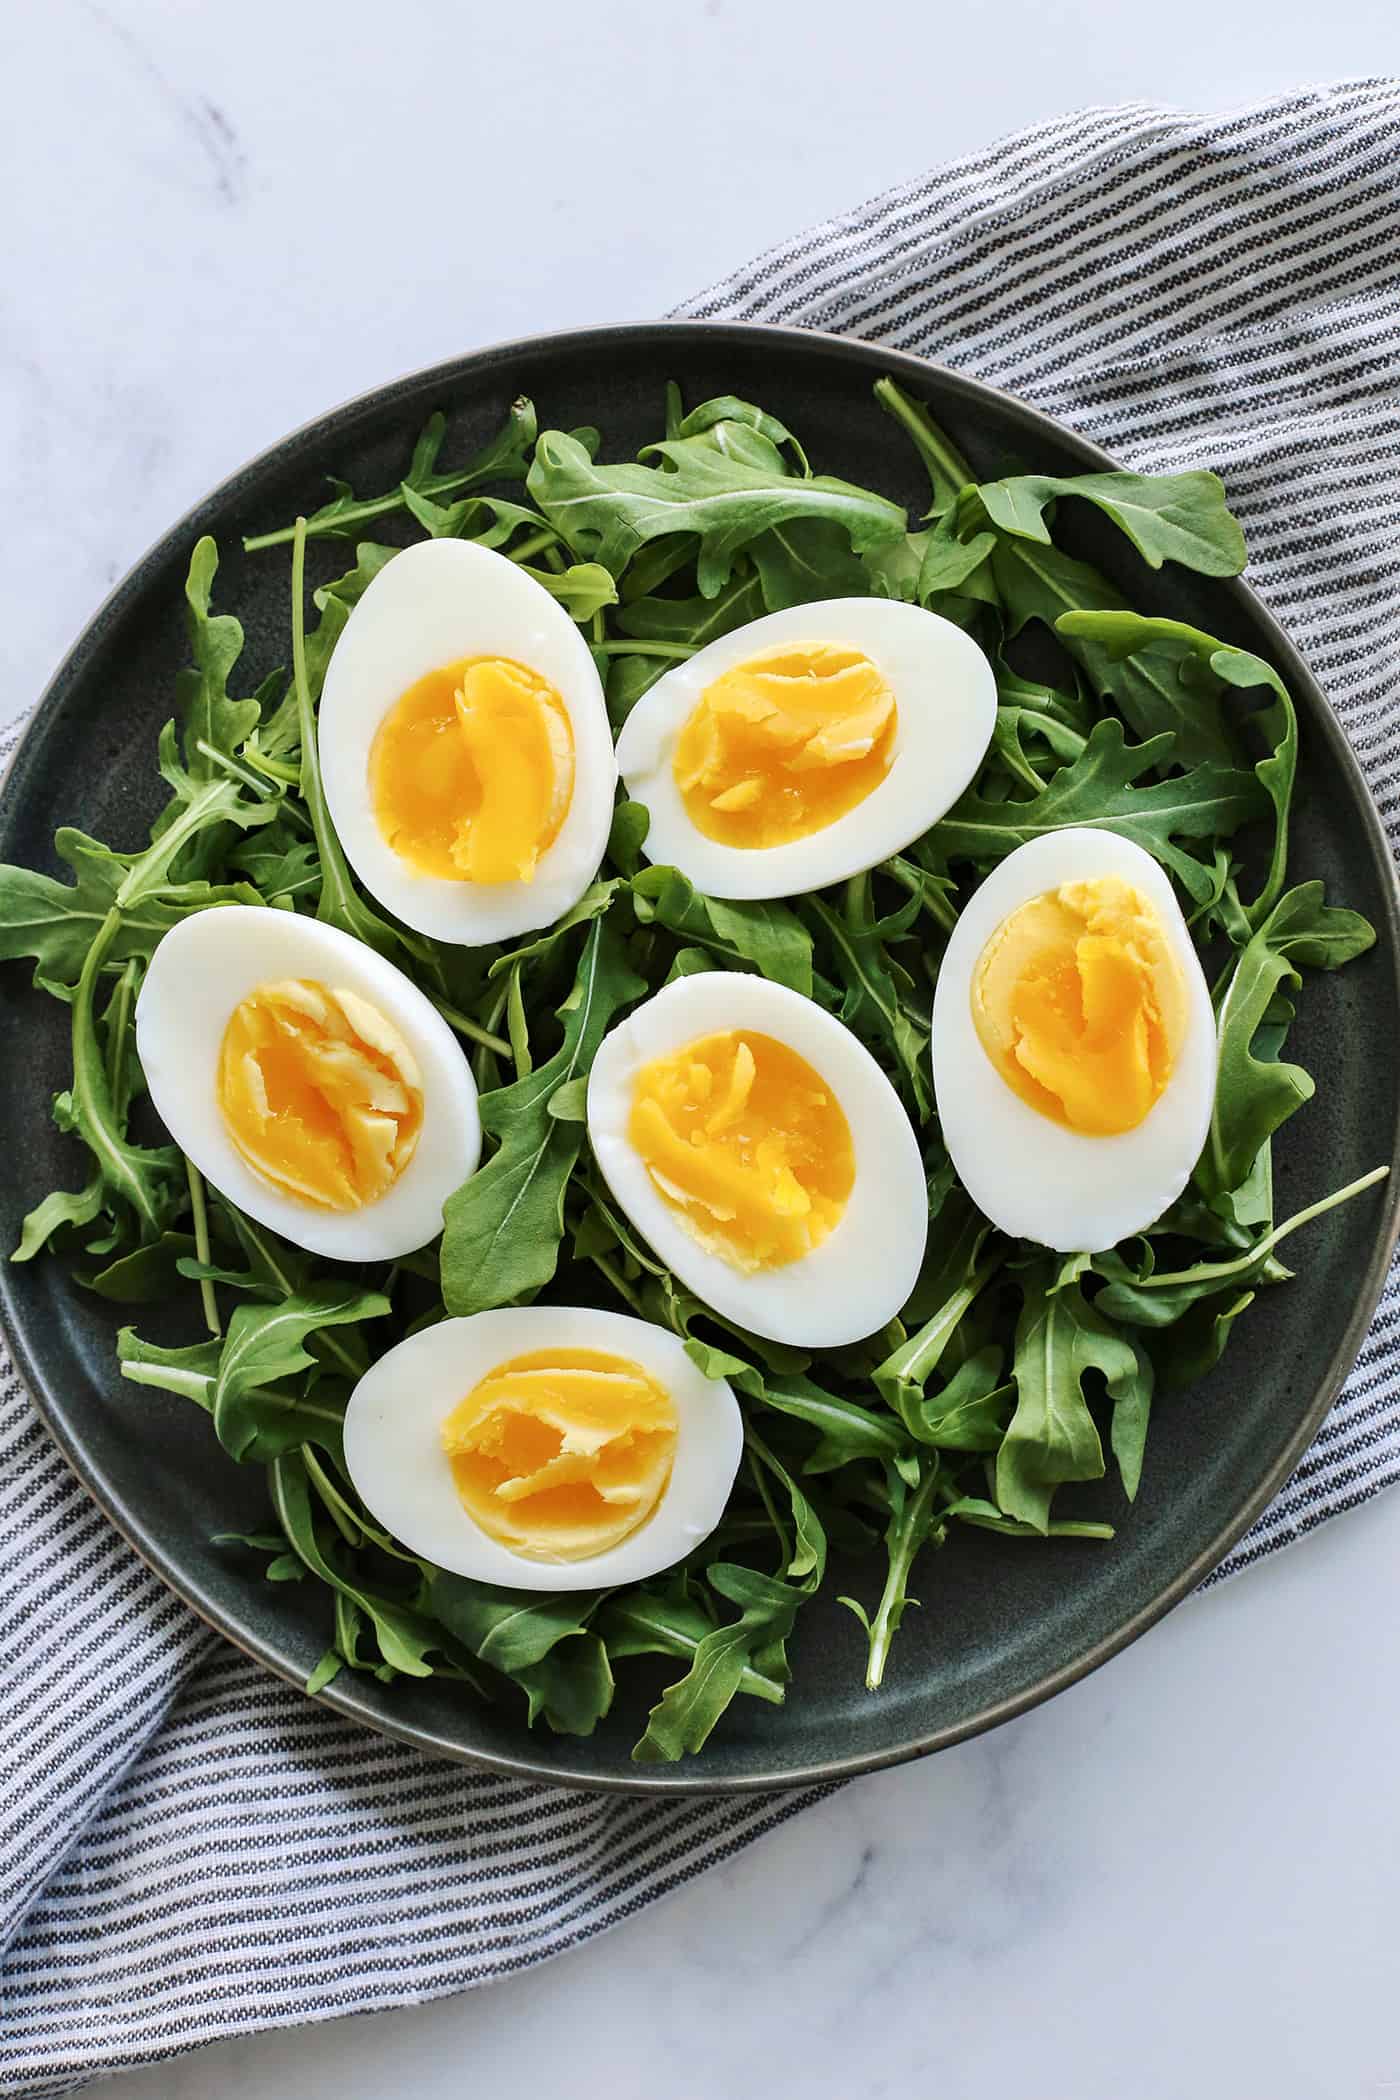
1003 1625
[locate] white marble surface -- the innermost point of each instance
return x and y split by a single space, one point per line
1178 1879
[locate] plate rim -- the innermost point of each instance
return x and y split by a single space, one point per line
654 1780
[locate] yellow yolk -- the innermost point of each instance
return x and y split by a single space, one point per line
785 744
472 771
320 1094
1081 1005
746 1141
562 1453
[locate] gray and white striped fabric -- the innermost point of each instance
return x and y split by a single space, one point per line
190 1849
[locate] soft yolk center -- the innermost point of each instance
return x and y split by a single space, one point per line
783 745
472 771
320 1093
1081 1005
749 1145
563 1453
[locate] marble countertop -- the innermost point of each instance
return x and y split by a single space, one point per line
1178 1877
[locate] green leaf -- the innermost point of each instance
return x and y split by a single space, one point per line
503 1226
985 1516
268 1342
191 1371
949 563
147 1275
56 922
406 1638
637 1622
767 937
501 458
1099 791
1200 672
948 472
685 1716
1168 517
695 621
807 561
1161 1297
607 513
877 992
1060 1338
1254 1095
718 418
846 1431
212 721
914 1523
541 946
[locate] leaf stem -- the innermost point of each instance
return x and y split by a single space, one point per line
938 908
201 1246
1165 1279
680 651
948 472
332 1500
536 543
473 1030
906 1535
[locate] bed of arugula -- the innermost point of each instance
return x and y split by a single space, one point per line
1011 1374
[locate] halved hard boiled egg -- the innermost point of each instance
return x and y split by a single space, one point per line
808 745
764 1155
465 747
308 1080
544 1447
1074 1045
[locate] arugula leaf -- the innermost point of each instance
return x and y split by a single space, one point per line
1051 1439
805 562
1168 517
1160 1297
1254 1095
406 1638
847 1432
948 472
607 513
504 1224
501 458
1098 790
715 419
692 622
638 1622
687 1711
213 723
913 1524
268 1342
877 998
768 937
1210 669
56 922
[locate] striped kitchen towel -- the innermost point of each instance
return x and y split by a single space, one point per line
191 1849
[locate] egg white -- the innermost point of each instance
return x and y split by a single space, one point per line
1035 1178
202 970
862 1272
435 604
393 1447
945 694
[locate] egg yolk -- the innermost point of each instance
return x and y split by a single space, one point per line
320 1093
563 1453
472 771
746 1141
1080 1004
783 745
